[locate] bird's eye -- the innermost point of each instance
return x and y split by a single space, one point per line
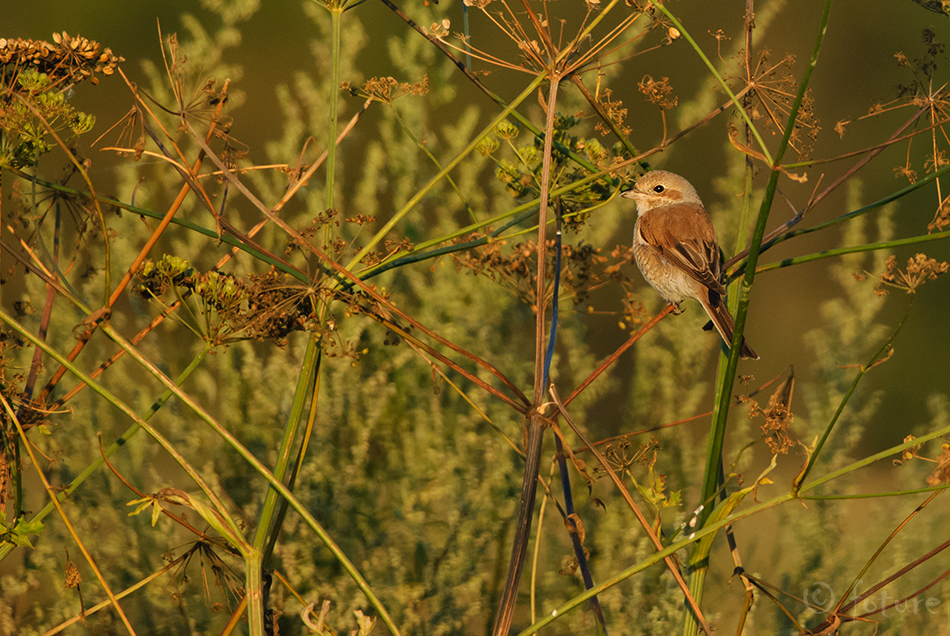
658 189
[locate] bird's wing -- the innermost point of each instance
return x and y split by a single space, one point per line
685 236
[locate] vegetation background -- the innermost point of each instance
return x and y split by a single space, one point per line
410 470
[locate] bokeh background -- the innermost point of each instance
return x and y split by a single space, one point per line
273 55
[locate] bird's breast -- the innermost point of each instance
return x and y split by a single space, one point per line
672 283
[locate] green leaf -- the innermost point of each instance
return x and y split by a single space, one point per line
702 547
19 534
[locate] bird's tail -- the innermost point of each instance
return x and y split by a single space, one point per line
725 325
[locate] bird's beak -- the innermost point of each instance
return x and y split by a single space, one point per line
630 193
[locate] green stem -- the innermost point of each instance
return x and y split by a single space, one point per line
725 383
254 590
6 548
398 216
308 372
841 251
333 101
712 69
727 368
877 357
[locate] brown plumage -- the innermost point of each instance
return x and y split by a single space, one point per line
676 248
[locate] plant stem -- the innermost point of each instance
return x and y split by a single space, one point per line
305 380
879 355
727 368
254 592
536 424
409 205
6 548
333 102
841 251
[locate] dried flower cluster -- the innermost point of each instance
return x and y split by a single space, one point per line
771 89
33 101
615 111
264 306
658 93
67 58
941 474
268 306
919 270
777 415
926 93
388 89
516 268
941 217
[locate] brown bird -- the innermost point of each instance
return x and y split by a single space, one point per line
676 249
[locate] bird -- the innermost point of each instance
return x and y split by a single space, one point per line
676 248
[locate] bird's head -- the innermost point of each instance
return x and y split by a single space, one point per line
661 188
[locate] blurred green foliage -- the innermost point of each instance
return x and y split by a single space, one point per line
410 467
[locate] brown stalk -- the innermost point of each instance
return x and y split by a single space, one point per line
536 421
415 342
352 278
536 424
72 530
143 253
619 352
647 528
777 235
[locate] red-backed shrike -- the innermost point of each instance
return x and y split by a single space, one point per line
676 249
